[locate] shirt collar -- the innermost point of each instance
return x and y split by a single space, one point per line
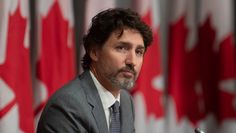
106 97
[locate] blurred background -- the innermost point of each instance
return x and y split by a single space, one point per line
188 76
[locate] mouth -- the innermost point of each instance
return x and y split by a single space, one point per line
128 74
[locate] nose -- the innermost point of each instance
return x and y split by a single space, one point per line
131 58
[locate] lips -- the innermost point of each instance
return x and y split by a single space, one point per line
128 74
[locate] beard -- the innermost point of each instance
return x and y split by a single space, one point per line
125 83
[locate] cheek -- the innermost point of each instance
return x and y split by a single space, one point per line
115 61
139 65
110 64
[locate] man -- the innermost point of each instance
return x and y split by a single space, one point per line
115 45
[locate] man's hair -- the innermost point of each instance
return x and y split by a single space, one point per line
108 21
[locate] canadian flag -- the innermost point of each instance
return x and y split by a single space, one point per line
16 111
216 18
201 73
186 106
148 92
55 59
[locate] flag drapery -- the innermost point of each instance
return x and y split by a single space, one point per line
16 112
148 92
201 85
55 59
201 79
216 17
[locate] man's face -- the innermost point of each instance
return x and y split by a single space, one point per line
119 61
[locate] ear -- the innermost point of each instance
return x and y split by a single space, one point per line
94 54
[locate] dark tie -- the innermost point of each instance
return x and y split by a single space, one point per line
115 118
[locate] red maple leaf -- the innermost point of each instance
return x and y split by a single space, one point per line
227 69
202 65
184 74
56 64
16 70
151 69
218 66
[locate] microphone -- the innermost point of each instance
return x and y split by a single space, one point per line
197 130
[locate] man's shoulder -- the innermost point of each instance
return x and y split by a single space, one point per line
67 93
74 89
76 85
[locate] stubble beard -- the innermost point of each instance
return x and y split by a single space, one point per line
122 83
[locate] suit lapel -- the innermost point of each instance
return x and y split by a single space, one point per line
95 102
127 118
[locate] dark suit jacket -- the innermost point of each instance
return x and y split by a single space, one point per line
77 108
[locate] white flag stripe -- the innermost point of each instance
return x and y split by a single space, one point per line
10 122
178 9
6 94
228 85
155 10
3 28
142 6
95 6
66 8
44 6
40 93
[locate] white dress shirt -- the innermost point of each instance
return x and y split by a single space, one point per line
106 97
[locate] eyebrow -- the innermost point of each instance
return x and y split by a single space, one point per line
140 46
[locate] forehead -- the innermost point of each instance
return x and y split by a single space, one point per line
131 36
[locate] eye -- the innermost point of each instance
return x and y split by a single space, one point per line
121 48
140 52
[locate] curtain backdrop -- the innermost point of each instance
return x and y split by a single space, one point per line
188 76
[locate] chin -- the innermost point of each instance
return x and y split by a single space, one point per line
126 85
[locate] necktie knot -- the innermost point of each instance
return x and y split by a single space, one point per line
115 107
